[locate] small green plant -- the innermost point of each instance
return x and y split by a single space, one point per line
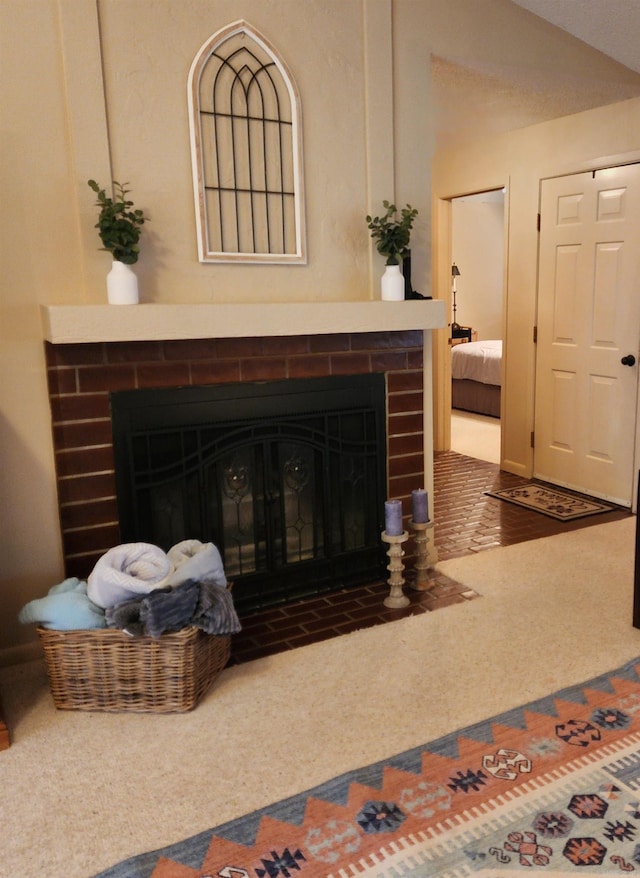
392 233
119 226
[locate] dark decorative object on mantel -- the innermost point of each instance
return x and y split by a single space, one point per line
409 292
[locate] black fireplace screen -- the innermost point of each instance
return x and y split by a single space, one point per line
286 478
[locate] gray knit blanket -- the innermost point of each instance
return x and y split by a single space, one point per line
206 605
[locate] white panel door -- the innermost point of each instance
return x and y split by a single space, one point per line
588 332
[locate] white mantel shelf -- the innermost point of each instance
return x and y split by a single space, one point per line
73 324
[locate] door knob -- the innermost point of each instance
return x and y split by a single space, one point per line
629 360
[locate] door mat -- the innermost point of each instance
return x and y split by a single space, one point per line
555 504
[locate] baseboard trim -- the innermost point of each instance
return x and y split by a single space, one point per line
18 655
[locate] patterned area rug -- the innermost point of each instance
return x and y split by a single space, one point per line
552 787
555 504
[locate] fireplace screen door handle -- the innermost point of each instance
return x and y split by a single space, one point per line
629 360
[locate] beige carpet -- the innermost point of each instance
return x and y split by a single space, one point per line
79 791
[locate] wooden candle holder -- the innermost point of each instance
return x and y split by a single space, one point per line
396 598
423 579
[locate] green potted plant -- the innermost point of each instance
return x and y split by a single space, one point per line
119 226
392 233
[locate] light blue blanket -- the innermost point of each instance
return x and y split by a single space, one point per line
65 608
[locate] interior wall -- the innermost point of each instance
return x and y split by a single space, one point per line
97 89
477 244
519 160
38 251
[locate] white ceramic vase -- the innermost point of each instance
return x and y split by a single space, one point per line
392 284
122 285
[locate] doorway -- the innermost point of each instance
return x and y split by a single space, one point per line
478 252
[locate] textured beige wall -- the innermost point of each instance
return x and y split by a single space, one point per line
478 233
148 127
97 88
38 251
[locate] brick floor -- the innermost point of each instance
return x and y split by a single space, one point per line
466 521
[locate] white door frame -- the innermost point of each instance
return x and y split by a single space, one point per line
441 289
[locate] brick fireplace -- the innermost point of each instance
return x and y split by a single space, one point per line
81 376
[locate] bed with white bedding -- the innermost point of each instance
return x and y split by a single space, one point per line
476 373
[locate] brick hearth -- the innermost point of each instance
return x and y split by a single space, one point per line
81 377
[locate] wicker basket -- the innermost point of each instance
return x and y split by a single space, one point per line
106 669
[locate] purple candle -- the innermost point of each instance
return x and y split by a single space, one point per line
393 517
420 505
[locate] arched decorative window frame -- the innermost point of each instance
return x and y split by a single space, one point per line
205 252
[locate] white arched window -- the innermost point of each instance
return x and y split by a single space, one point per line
244 115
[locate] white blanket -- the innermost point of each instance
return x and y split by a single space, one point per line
127 571
195 560
478 361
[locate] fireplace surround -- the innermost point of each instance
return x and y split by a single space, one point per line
92 351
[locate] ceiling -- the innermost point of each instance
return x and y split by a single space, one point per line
476 96
611 26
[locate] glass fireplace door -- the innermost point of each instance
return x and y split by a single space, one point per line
289 487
